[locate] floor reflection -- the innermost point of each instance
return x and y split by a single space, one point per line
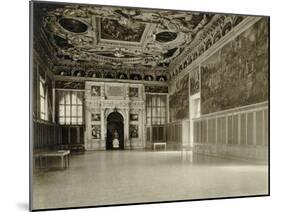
114 177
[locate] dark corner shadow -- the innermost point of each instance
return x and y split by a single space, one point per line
23 206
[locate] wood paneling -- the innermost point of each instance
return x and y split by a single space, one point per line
174 136
259 125
229 128
73 135
53 136
235 130
155 133
243 129
46 135
250 128
266 127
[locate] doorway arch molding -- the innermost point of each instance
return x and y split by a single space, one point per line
125 113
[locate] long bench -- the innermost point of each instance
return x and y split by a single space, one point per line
77 148
155 144
62 154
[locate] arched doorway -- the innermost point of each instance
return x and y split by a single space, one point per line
114 122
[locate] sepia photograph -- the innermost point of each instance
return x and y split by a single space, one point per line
134 105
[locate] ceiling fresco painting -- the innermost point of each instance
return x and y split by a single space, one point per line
166 36
123 31
73 25
125 38
146 34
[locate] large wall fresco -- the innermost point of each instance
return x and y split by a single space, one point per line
179 100
237 75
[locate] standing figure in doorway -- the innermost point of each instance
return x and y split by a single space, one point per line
115 141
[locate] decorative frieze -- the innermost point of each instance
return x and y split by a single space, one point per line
212 34
156 89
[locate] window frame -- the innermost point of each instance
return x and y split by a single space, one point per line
156 109
42 99
74 105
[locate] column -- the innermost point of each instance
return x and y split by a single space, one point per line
103 128
126 129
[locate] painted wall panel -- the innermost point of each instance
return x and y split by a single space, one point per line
237 74
179 100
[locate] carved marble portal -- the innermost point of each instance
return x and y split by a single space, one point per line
104 98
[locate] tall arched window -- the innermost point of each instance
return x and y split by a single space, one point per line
70 107
155 109
43 99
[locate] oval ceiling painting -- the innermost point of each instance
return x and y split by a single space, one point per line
166 36
73 25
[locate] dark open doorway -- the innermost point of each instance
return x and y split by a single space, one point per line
115 124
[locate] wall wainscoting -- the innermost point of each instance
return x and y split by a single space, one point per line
238 133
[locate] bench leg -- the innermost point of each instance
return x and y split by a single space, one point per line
65 162
62 162
40 162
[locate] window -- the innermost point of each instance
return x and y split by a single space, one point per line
43 99
70 111
155 109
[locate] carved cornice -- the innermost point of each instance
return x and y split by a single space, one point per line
95 66
90 69
244 25
124 104
82 79
137 104
212 35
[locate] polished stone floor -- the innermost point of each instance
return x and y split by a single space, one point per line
114 177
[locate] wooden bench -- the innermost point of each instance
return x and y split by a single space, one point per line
77 148
155 144
62 154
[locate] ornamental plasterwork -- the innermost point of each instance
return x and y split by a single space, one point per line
137 104
214 33
129 43
153 37
92 104
115 104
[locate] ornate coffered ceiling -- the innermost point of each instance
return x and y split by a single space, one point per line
100 37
